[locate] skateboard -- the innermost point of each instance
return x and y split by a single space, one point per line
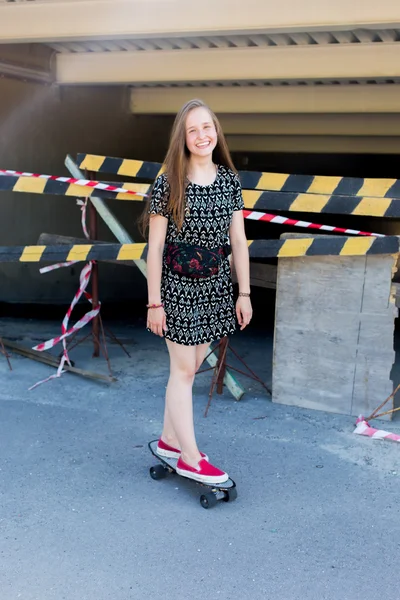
222 491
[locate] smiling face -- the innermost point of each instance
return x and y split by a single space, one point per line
201 135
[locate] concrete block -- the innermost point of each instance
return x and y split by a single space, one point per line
334 327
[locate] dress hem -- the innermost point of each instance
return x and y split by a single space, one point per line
206 341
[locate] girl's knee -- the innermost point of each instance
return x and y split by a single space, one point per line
185 372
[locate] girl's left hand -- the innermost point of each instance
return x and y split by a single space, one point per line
244 311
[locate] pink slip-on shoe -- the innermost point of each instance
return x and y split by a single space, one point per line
167 451
205 472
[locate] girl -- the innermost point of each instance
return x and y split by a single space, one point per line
195 211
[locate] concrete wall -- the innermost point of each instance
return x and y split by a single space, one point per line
39 125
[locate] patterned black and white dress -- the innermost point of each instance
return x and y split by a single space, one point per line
200 310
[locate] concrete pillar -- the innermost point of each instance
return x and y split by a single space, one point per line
333 346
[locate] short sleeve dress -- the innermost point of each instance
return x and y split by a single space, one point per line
199 311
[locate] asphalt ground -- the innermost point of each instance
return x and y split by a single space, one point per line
316 516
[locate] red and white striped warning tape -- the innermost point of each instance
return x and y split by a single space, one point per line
89 316
83 205
278 220
364 428
97 185
65 332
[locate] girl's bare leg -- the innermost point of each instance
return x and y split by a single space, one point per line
201 352
178 428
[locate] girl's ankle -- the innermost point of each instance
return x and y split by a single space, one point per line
191 459
171 441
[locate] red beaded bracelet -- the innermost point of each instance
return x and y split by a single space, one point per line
155 305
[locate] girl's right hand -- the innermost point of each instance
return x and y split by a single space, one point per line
157 321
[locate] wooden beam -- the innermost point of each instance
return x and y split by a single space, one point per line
273 100
52 361
333 61
113 19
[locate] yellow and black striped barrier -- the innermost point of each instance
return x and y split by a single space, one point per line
257 180
253 199
322 204
126 167
37 185
300 247
321 184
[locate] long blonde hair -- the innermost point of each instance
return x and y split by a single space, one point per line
177 159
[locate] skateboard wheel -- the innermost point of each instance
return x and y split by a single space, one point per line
158 472
208 500
230 495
